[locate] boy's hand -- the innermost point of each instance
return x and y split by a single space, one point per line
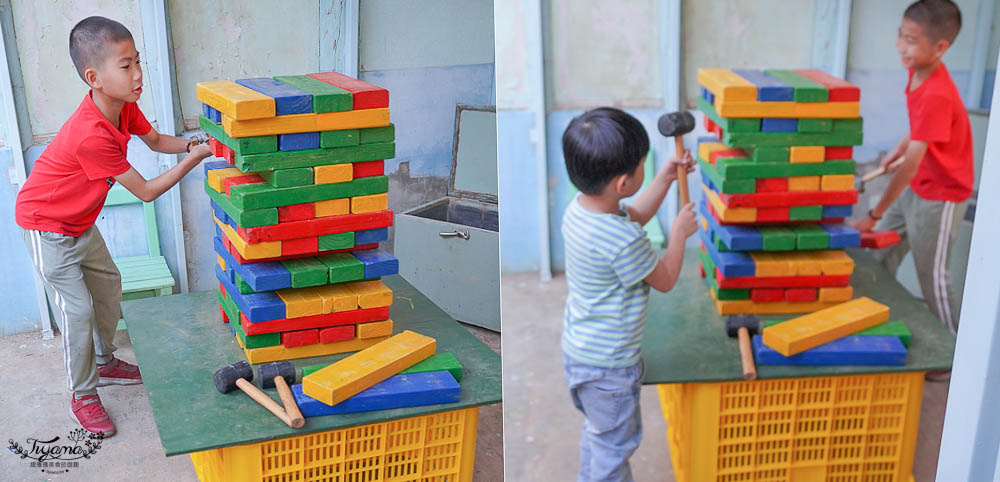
864 224
201 151
685 224
669 170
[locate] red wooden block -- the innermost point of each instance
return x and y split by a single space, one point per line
879 239
229 182
839 152
801 294
369 168
709 123
717 130
215 146
789 198
222 289
749 282
291 247
766 295
296 212
225 318
772 214
772 184
316 227
701 269
726 153
840 90
366 96
336 333
316 321
239 259
299 338
228 153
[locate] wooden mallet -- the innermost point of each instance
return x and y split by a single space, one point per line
280 374
676 124
239 375
743 327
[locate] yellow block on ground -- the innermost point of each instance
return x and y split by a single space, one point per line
374 329
234 100
333 173
370 203
803 183
837 294
727 214
265 249
808 154
333 207
337 297
836 182
358 372
301 302
216 176
809 331
727 85
279 352
289 124
371 294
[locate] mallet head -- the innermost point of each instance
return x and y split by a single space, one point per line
225 377
284 369
735 322
676 123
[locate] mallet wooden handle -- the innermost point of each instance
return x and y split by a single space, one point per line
682 180
746 356
881 170
292 408
264 400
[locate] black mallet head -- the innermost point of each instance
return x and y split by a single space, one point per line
735 322
676 123
267 372
225 377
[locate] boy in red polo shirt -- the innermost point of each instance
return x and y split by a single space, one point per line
58 204
926 197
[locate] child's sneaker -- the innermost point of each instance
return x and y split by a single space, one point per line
89 413
117 372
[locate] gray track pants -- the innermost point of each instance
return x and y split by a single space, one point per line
928 228
85 291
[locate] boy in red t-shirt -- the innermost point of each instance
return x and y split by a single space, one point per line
58 204
926 197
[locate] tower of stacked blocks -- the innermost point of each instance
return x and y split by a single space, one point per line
300 206
778 182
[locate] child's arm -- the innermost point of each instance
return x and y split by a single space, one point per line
912 153
164 143
668 268
649 200
153 188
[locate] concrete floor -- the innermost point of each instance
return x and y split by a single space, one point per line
36 405
541 426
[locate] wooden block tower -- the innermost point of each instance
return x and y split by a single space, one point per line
300 206
778 179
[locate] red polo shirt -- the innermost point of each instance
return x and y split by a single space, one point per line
938 117
70 180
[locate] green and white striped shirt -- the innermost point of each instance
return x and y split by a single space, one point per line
607 258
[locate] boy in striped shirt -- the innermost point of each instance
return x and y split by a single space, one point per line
610 266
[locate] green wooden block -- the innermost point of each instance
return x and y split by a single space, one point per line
306 272
326 97
848 125
343 267
727 186
229 306
298 176
374 135
435 363
316 157
242 285
815 125
707 263
771 154
889 328
719 245
751 170
342 138
727 123
777 238
729 294
260 196
743 125
805 213
753 139
239 145
255 341
810 236
244 218
806 90
336 241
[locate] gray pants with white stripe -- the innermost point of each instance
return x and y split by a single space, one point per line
85 291
928 228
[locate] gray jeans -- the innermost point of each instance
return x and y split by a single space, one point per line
85 291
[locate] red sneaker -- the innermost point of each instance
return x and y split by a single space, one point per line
89 413
117 372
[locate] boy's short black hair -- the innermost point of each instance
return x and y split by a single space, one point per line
89 39
940 19
600 144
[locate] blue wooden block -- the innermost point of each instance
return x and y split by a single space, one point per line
213 165
779 124
704 139
769 89
264 276
841 211
412 390
298 142
218 211
736 238
212 114
842 235
287 99
369 236
733 264
849 350
265 306
377 262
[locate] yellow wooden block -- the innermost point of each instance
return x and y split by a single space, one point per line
806 154
333 173
803 183
725 84
810 110
216 176
770 265
222 262
269 354
350 376
301 302
834 262
371 294
337 297
266 249
704 224
729 215
370 203
289 124
809 331
836 182
705 149
736 307
353 119
837 294
804 263
333 207
234 100
376 328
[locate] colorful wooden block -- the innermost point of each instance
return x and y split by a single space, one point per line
378 134
235 100
211 113
252 341
810 236
741 139
766 295
833 262
306 272
342 267
298 141
838 294
771 184
727 214
370 236
216 176
806 154
837 211
848 125
795 295
812 330
365 95
341 138
229 182
771 154
429 388
708 172
805 213
839 89
317 227
325 97
443 361
301 302
803 183
260 276
842 235
777 238
377 262
815 125
242 145
290 247
291 339
747 282
726 84
289 124
889 328
243 217
316 157
837 182
738 307
775 124
279 353
333 207
287 99
749 109
329 242
806 90
296 212
319 321
293 177
375 329
736 238
370 203
734 169
735 264
338 333
263 249
849 350
349 376
769 89
768 265
257 306
879 239
334 173
338 298
261 196
371 294
839 152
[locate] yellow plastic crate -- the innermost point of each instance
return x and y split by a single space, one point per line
439 446
837 429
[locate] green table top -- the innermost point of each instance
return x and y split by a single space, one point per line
180 342
686 337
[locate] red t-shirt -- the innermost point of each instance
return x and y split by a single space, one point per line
70 180
938 117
